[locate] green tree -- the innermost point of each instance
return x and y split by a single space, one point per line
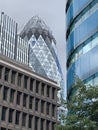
83 108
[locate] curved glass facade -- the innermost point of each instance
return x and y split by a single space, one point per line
42 56
82 40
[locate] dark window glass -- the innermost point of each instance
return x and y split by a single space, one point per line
4 110
42 89
5 93
30 102
18 97
1 71
53 110
53 93
36 104
53 126
2 128
6 74
19 79
13 77
37 86
47 108
48 125
42 106
23 119
11 115
25 82
31 84
42 124
48 90
30 121
17 117
36 123
24 100
12 92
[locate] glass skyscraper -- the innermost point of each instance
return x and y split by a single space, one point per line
42 55
11 44
82 41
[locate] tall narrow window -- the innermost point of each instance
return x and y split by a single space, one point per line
12 93
6 77
24 119
19 79
53 93
42 124
36 104
37 86
24 100
1 71
30 102
4 111
17 117
30 121
53 126
5 93
25 82
48 108
31 84
36 123
42 106
13 77
42 89
48 125
48 90
18 97
11 115
53 110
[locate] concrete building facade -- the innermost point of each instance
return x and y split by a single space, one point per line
28 101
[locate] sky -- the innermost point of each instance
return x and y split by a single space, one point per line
51 11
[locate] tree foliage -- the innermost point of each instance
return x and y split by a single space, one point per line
83 108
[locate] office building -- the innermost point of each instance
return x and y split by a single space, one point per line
82 42
43 54
28 101
11 44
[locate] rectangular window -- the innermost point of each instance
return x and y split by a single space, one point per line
6 76
48 91
11 115
4 111
53 126
24 100
53 93
12 93
36 123
48 125
36 104
25 82
18 97
17 117
30 121
37 86
5 93
48 108
53 110
42 124
1 71
24 119
30 102
42 106
19 79
42 89
13 77
31 84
